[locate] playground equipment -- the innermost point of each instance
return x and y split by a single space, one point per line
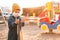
46 23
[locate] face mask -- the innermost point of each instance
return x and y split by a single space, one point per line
15 14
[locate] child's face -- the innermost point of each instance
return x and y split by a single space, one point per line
17 11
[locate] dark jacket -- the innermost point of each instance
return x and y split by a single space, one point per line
12 34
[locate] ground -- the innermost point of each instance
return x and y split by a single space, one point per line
30 32
3 32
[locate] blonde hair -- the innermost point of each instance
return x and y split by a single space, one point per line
15 7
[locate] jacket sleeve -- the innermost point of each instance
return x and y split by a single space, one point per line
11 23
20 23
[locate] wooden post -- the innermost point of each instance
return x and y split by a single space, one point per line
21 35
19 31
50 31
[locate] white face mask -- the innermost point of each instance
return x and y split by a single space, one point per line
15 14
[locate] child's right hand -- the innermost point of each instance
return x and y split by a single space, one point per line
17 21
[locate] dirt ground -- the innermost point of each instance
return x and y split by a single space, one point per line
30 32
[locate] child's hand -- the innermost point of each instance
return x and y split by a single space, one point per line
17 21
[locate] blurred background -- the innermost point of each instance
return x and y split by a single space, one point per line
30 5
31 10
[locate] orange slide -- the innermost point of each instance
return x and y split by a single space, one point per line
43 17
